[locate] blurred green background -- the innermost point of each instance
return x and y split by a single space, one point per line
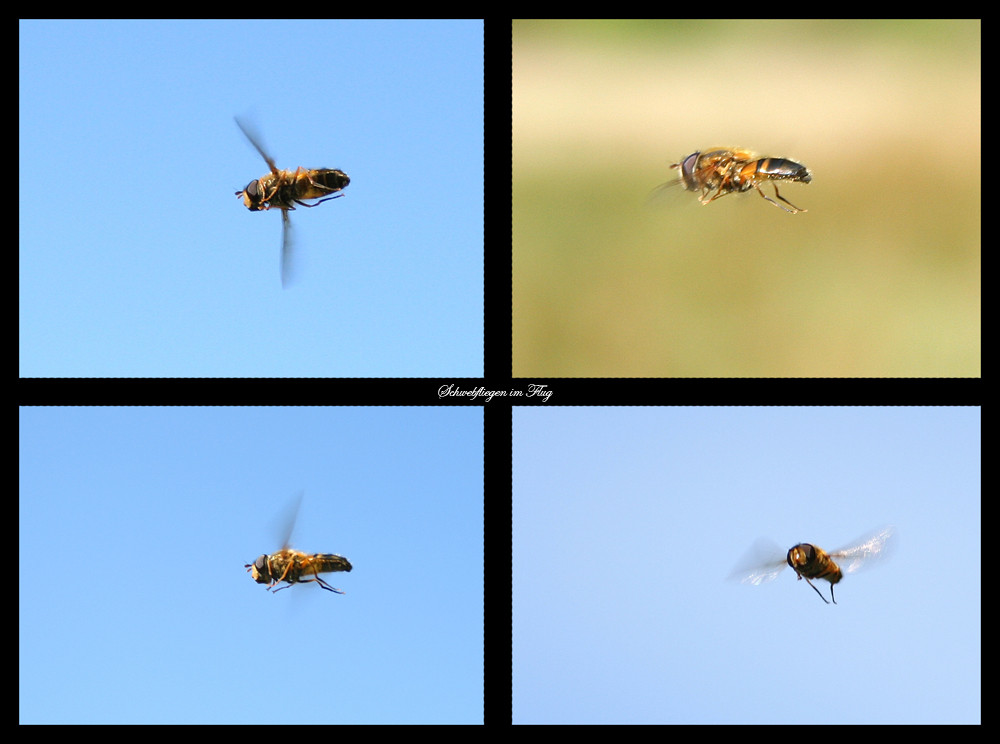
881 277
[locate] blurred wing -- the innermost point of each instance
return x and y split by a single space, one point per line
288 523
287 245
661 191
255 140
865 551
762 563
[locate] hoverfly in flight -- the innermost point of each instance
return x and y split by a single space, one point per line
763 563
733 170
292 565
283 189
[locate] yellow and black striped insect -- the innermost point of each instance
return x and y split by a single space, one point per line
762 564
283 189
718 171
294 565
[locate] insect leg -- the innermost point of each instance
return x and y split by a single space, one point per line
708 190
325 199
320 185
325 585
288 567
797 209
793 210
320 581
725 187
817 590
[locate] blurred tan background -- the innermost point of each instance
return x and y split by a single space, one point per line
881 277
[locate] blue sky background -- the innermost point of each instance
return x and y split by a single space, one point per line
135 525
137 259
627 522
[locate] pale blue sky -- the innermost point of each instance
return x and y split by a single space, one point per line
136 257
627 522
134 527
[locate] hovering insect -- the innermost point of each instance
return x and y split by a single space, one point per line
291 565
762 564
732 170
283 189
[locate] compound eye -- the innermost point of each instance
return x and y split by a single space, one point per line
689 164
260 564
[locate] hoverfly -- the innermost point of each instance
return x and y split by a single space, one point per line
762 564
292 565
283 189
732 170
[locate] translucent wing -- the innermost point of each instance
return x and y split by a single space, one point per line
865 551
255 140
287 522
662 191
762 563
287 244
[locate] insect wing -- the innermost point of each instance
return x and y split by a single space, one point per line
662 191
287 523
761 564
255 140
287 246
865 551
